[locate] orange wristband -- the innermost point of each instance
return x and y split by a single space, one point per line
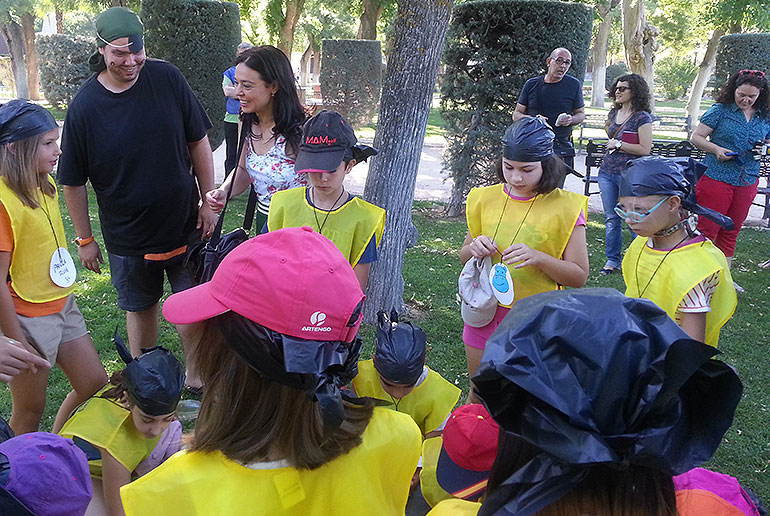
84 241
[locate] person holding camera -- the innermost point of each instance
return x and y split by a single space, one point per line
730 132
559 98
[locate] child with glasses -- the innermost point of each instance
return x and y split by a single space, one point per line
670 262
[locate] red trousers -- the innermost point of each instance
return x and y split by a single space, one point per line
730 200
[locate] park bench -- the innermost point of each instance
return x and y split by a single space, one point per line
596 147
665 123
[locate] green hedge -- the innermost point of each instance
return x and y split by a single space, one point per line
493 47
199 37
674 75
741 51
613 72
63 61
351 78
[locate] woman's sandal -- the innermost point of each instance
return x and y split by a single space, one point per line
608 270
764 265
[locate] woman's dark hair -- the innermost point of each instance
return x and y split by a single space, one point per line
640 91
606 491
554 171
275 68
752 78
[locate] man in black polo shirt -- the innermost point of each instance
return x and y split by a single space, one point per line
558 97
137 132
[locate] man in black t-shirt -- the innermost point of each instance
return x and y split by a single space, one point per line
559 98
137 132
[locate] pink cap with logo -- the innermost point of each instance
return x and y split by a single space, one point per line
293 281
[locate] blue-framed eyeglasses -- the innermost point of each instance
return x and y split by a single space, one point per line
634 216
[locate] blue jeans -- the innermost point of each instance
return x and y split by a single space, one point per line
609 184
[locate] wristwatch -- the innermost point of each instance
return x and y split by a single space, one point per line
80 242
618 144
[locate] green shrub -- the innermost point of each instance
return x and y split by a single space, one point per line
493 47
741 51
199 37
63 61
351 78
613 72
674 75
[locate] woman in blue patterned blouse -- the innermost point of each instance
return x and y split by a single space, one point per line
729 131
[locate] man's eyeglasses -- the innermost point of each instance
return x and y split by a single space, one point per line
621 89
560 61
758 73
634 216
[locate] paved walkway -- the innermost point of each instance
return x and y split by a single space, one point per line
434 184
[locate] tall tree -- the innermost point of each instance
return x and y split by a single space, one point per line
639 40
729 16
14 40
281 17
30 63
371 10
604 10
418 40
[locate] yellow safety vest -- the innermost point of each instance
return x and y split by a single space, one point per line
455 507
372 478
429 404
351 226
107 424
544 223
431 490
667 281
33 245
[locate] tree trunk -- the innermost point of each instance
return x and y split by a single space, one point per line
639 40
460 185
370 13
705 69
599 54
59 20
14 39
286 36
33 73
118 3
419 32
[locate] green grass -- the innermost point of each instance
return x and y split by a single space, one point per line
430 272
432 266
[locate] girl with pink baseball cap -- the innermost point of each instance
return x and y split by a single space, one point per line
275 432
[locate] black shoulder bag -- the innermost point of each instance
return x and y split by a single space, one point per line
204 257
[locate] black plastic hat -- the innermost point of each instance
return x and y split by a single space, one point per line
591 377
21 119
528 139
399 349
654 175
154 380
318 368
6 432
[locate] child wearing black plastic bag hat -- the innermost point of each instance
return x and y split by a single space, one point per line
130 420
601 400
670 262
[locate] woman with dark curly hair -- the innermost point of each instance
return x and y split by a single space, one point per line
729 132
272 118
629 127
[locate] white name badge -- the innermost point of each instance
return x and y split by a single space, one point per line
62 270
502 283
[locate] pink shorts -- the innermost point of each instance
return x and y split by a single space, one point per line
477 337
